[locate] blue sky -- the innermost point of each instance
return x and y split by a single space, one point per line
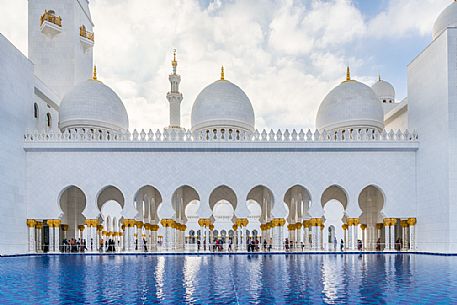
285 54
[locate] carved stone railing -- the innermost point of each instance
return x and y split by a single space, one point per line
50 16
86 34
167 135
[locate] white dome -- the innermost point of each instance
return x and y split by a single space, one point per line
446 19
350 105
384 91
222 105
91 104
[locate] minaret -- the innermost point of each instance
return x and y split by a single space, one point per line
61 40
174 97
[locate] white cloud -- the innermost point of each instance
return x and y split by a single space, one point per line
286 54
406 17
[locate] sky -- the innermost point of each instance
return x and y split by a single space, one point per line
285 54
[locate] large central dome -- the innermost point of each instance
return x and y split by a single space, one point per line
222 105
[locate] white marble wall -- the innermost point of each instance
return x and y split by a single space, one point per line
16 99
432 103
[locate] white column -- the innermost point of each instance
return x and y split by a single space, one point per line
392 233
131 237
350 243
39 238
387 235
51 236
412 233
404 235
57 237
306 237
356 237
31 223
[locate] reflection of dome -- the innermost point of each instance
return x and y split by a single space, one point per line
384 91
350 105
91 104
446 19
222 105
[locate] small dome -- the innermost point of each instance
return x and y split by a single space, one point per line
222 105
447 18
350 105
384 91
91 104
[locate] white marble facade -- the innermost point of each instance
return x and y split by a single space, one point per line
374 169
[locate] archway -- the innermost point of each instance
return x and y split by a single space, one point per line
147 201
181 198
371 202
298 202
264 197
334 202
72 201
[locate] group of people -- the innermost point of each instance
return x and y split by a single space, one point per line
74 245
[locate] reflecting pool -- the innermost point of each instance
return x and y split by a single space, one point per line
224 279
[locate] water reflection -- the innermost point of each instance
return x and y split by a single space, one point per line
265 279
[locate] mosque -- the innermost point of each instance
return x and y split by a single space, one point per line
374 169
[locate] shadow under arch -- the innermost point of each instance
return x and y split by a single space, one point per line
147 200
298 200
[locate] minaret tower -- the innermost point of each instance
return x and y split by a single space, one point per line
61 40
174 97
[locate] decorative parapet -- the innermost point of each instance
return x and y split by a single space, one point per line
182 135
50 24
86 34
50 16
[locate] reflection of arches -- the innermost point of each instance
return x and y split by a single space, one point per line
264 197
371 202
298 201
222 192
72 201
147 201
181 199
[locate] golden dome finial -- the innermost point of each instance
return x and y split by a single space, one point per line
94 76
174 63
222 73
348 74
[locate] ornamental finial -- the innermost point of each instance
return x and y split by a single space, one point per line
379 77
174 63
94 76
222 73
348 74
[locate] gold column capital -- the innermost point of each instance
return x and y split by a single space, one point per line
363 227
379 226
167 222
412 221
404 223
31 223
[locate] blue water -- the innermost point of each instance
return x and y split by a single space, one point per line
236 279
